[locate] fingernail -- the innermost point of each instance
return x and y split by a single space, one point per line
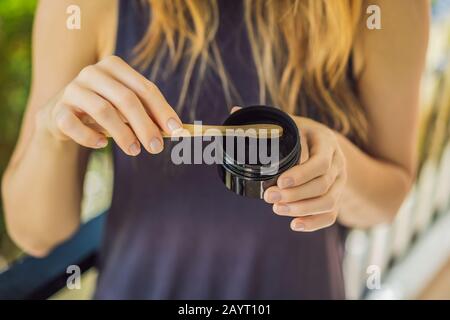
173 125
282 209
156 145
286 182
102 142
274 196
135 149
298 226
235 108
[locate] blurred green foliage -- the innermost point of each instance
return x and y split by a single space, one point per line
16 18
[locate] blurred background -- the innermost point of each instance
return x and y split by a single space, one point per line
408 259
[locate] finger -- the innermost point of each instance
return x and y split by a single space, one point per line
150 95
104 114
71 126
323 204
313 223
126 101
317 187
304 154
318 164
312 189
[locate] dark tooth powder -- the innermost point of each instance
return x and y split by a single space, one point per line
248 167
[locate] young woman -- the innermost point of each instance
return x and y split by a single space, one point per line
139 67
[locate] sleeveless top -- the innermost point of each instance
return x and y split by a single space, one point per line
176 232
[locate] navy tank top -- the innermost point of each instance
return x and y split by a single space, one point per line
175 232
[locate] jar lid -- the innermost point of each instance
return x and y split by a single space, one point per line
254 158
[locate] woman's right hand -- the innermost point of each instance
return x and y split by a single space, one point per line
120 100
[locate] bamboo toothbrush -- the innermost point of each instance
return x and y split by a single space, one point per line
189 130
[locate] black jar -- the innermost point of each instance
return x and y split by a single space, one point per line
252 179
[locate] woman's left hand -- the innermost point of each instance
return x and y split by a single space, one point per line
311 191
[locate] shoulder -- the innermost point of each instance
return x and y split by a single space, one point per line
403 35
402 21
88 24
91 10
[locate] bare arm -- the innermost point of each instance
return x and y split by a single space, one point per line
42 185
389 87
73 79
339 179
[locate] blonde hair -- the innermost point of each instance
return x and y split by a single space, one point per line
300 48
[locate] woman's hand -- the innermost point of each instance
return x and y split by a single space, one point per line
311 191
117 98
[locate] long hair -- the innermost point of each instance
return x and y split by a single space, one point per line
300 48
